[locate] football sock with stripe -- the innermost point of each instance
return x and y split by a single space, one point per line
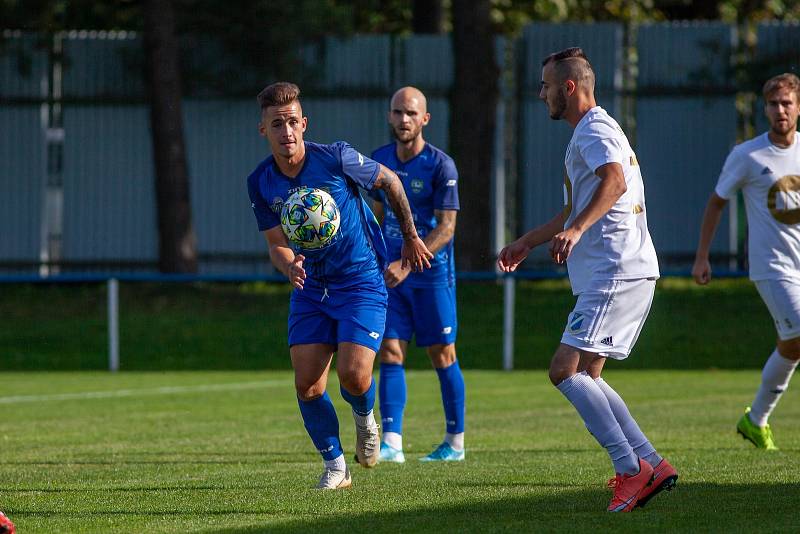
451 383
322 425
636 438
774 380
392 402
362 404
594 409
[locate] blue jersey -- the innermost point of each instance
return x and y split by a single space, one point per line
357 251
430 180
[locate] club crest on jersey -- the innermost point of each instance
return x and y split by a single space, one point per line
783 199
417 185
576 323
276 205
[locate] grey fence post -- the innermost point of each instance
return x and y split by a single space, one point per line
509 291
113 325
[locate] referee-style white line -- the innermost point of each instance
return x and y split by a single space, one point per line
165 390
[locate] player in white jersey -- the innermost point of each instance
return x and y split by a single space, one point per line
602 235
767 170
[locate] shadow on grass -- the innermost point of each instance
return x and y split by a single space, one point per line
690 507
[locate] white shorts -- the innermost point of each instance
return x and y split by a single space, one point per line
782 298
608 316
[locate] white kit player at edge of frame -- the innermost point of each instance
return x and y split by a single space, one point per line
602 235
767 170
338 304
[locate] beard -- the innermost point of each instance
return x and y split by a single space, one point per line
783 128
406 136
559 106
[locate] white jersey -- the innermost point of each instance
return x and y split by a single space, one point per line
769 178
618 245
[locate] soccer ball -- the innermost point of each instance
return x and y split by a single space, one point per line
310 218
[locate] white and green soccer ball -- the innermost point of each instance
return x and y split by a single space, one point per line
310 218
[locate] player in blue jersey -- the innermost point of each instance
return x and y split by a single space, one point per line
339 298
421 304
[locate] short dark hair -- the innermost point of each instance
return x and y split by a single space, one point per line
786 80
572 64
278 94
567 53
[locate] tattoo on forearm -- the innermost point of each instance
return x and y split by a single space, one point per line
397 199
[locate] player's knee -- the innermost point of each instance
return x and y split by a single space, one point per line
309 392
391 355
442 355
790 348
558 375
356 384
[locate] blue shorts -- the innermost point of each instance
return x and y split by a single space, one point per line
356 314
428 313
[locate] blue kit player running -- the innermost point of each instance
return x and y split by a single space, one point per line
420 304
339 299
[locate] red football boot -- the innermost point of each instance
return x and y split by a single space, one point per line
664 478
628 488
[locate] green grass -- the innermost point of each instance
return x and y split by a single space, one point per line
227 452
231 326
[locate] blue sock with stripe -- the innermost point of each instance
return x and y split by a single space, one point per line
392 395
319 418
451 382
362 404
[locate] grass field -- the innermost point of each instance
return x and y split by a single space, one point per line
233 326
227 452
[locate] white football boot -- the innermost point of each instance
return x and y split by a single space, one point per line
335 479
367 440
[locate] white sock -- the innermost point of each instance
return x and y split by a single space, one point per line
455 440
596 413
337 464
774 381
394 440
638 441
364 420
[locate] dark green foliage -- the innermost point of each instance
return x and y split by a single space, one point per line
229 326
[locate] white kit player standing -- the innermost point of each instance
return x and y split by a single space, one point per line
602 235
767 170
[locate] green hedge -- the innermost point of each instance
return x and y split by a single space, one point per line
243 326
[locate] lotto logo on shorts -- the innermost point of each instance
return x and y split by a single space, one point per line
447 329
575 323
374 335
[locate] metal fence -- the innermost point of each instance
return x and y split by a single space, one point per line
76 171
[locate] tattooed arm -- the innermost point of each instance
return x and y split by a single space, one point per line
414 253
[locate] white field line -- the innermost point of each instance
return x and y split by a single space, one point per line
165 390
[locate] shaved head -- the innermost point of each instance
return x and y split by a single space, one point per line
406 94
408 115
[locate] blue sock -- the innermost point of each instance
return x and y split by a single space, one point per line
451 382
362 404
392 396
319 417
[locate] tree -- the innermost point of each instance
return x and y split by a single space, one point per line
428 16
472 126
177 242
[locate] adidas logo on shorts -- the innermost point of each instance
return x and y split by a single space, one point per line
607 341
